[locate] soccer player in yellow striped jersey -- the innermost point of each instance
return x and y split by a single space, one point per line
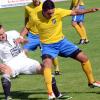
53 43
77 21
33 37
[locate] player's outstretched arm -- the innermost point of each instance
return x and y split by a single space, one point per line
84 11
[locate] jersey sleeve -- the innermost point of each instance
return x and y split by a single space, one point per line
26 12
29 23
32 21
13 34
64 12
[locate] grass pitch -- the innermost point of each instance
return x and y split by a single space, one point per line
72 81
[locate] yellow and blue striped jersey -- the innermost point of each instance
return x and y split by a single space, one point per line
50 30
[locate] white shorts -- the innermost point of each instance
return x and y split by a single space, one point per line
21 64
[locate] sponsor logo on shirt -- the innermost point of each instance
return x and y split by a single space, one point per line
54 21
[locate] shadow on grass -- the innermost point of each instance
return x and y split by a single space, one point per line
24 95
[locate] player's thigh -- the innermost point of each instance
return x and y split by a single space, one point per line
49 49
23 65
67 48
16 65
31 67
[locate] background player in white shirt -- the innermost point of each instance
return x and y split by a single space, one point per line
14 61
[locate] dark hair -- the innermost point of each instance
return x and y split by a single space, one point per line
48 4
0 26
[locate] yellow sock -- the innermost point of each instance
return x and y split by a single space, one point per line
84 32
80 31
56 64
88 71
48 79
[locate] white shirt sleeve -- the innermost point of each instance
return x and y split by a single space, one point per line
13 34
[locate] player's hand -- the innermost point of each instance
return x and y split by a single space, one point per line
95 9
98 8
20 40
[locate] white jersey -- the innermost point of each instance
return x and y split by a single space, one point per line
8 49
13 56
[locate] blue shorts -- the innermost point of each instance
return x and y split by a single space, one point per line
33 42
78 18
62 48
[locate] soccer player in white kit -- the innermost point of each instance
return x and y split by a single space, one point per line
14 61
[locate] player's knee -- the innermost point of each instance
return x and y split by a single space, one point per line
47 60
82 57
5 69
85 59
74 24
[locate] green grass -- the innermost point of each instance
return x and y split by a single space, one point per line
72 81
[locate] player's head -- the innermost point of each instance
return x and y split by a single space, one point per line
48 9
36 2
2 33
1 30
